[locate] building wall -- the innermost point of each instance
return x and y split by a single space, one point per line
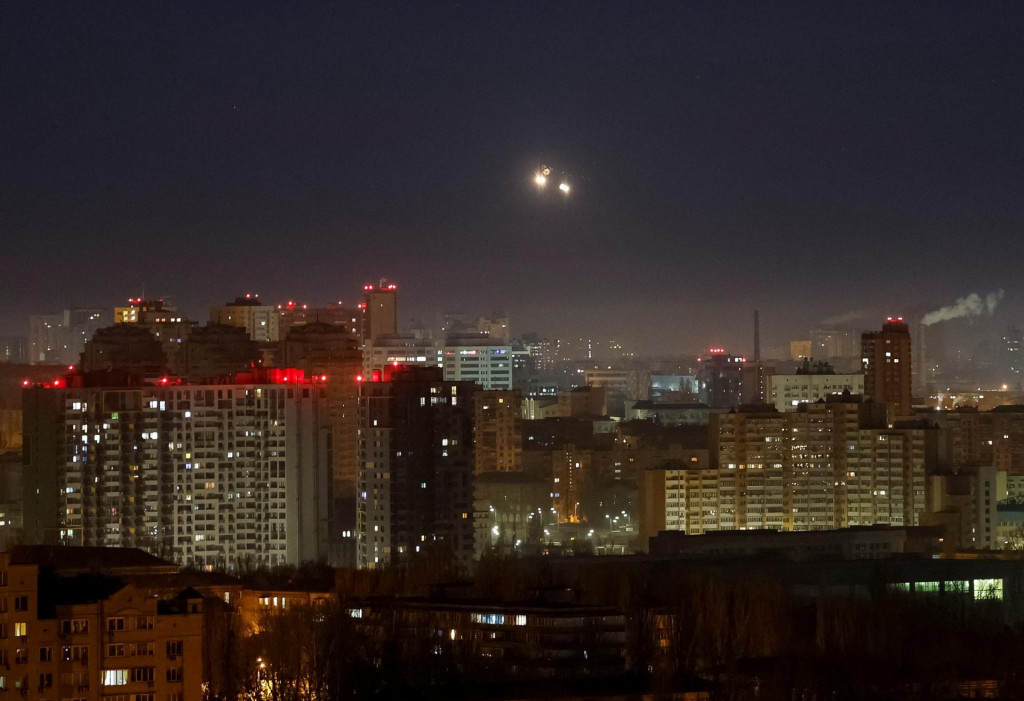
488 366
786 392
887 365
123 644
407 351
820 468
209 475
380 312
58 339
498 437
416 467
260 321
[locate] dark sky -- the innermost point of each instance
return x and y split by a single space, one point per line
810 159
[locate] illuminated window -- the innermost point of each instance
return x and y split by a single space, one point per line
114 677
20 629
989 589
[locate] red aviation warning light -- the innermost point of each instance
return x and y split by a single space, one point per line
359 378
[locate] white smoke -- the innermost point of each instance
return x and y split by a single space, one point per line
847 318
971 305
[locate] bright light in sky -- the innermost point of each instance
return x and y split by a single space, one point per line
540 179
564 187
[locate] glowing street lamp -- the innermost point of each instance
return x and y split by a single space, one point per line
564 187
540 179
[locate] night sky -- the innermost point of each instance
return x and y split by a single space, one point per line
807 159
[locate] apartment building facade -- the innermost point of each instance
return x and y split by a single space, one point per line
208 475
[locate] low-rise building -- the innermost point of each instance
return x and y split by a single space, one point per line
94 637
502 641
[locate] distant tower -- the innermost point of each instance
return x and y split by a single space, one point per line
887 363
380 310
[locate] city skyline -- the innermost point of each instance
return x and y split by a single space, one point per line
967 323
808 163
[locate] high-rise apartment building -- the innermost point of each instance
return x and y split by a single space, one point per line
886 360
13 349
496 328
166 324
498 418
58 339
681 495
838 347
380 311
259 320
720 379
831 464
753 454
124 347
1012 359
332 352
415 467
217 350
292 314
216 475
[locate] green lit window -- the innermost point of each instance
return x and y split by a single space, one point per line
925 587
958 586
988 589
899 586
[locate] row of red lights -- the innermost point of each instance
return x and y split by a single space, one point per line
275 376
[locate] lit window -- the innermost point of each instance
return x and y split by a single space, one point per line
990 589
114 677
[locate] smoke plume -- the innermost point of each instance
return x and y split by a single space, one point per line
971 305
